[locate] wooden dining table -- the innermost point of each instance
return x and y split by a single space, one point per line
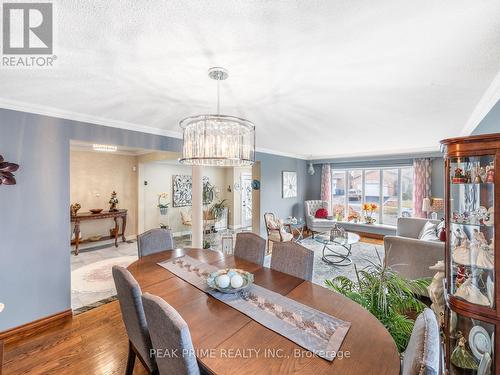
227 341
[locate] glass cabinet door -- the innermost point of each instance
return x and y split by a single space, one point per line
471 205
472 345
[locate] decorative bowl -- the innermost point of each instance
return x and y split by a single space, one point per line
96 210
246 276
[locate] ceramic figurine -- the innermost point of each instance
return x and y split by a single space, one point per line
74 208
436 290
461 357
478 237
460 276
113 202
490 173
469 292
468 177
459 177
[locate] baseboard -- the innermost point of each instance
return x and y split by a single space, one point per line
33 327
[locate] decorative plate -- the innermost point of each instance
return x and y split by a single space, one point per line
479 342
485 365
247 280
255 184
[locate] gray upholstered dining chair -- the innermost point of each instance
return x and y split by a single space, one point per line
250 247
129 295
293 259
422 353
169 331
154 240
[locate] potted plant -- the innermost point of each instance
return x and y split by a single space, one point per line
163 203
217 209
368 210
385 294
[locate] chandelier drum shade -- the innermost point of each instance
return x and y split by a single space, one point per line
218 140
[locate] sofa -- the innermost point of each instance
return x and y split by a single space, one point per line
407 254
314 224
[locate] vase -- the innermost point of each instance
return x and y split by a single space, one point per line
163 211
369 220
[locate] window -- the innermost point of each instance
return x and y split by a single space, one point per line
355 192
390 188
338 193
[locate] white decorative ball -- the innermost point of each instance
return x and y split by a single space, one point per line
237 281
223 281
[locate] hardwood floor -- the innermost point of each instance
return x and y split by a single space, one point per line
94 342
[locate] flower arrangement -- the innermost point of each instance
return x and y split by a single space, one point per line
368 210
163 203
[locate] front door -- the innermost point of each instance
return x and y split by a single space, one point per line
246 200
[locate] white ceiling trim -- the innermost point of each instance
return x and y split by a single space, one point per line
485 104
407 152
96 120
81 117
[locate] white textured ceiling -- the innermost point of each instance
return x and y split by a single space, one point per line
317 78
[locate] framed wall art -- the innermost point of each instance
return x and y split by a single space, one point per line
182 190
289 183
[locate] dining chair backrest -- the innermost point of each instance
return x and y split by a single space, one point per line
169 332
422 353
129 295
154 241
293 259
250 247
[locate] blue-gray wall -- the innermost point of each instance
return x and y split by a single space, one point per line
271 199
490 123
34 214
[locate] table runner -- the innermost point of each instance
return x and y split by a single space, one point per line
314 330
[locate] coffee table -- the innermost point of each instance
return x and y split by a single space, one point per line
334 257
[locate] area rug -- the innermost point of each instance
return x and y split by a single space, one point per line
96 277
362 255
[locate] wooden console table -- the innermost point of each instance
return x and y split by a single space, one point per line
85 216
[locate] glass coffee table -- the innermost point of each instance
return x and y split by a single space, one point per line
334 257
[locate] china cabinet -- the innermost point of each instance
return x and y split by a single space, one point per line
472 195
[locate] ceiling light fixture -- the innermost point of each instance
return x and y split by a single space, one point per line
104 148
218 140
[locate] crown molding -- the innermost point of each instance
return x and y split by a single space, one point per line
280 153
96 120
81 117
402 153
490 97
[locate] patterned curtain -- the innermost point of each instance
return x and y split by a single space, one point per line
326 186
422 184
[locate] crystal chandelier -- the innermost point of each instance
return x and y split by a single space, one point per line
218 140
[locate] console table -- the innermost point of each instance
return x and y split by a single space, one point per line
86 216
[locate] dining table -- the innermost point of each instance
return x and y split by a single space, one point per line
226 341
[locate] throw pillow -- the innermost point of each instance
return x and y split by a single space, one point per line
428 232
321 213
440 231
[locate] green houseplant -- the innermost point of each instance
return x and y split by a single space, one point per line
385 294
217 209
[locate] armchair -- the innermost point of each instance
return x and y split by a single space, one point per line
314 224
275 230
409 255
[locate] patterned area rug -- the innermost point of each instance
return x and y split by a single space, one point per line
97 277
362 255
